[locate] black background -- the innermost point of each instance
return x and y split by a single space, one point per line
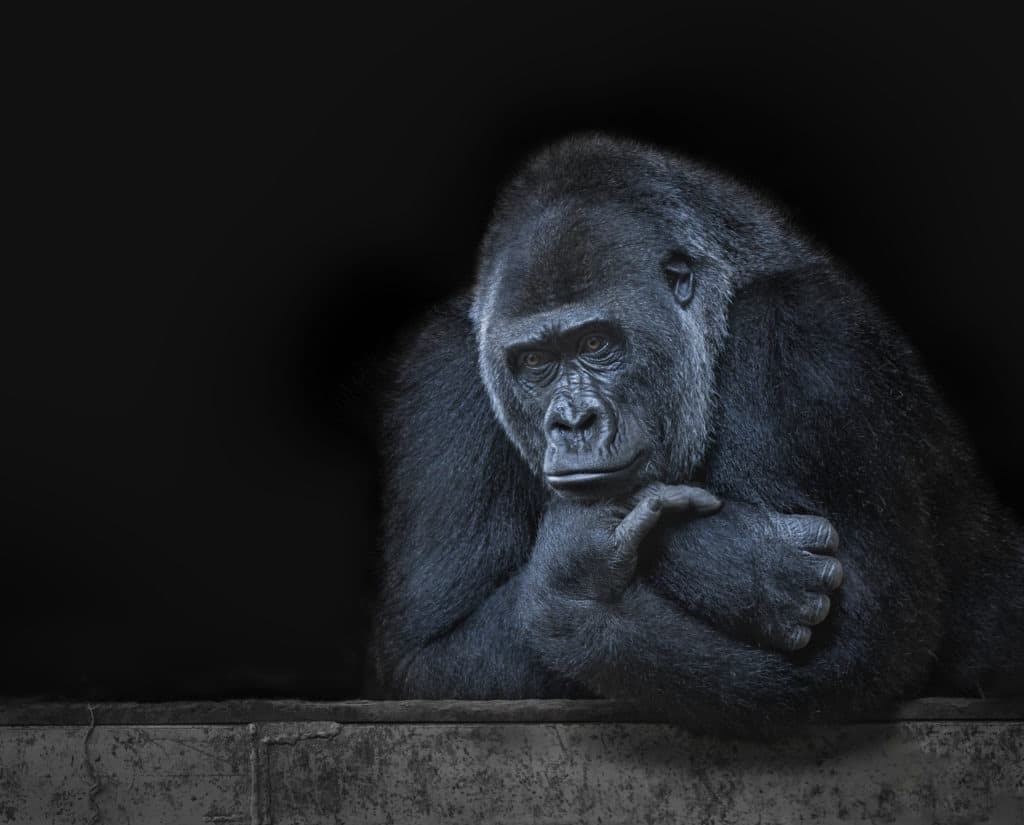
221 224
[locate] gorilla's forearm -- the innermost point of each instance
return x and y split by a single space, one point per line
485 656
644 649
748 571
595 622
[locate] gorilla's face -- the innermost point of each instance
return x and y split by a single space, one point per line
594 345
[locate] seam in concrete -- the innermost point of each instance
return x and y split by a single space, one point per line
243 711
254 774
262 785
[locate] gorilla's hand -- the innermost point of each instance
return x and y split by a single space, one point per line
588 551
761 575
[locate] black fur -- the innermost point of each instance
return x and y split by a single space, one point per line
778 385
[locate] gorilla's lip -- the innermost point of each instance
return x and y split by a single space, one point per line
585 477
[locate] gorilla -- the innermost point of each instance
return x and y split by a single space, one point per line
667 451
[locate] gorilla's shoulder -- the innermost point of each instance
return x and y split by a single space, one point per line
437 415
440 351
816 334
818 312
802 302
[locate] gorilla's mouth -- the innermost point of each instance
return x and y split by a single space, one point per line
576 478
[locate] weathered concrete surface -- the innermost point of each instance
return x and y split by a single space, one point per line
617 773
469 768
139 774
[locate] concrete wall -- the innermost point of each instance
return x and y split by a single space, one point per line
937 761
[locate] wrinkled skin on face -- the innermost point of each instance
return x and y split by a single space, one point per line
587 380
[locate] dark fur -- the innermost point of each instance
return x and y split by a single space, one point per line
782 387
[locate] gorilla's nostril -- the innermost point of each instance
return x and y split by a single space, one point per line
572 424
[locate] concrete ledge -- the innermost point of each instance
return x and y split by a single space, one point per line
936 760
243 711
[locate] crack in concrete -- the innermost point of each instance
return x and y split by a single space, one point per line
332 730
95 786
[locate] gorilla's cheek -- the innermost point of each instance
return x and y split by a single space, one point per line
644 437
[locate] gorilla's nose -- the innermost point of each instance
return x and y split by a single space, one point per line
573 424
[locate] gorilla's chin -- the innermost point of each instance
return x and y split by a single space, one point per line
580 480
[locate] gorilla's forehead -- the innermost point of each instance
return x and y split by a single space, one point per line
571 250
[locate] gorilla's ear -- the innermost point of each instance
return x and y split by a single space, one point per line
680 274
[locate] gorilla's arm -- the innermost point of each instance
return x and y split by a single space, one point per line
822 413
815 396
460 513
642 647
757 574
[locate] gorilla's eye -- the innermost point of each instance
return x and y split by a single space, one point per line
533 358
681 276
594 343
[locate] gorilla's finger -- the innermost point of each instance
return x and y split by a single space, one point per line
680 498
638 523
832 575
695 500
808 532
815 610
823 572
796 638
652 491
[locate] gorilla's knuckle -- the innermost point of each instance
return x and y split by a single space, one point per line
807 532
831 574
813 531
829 536
654 490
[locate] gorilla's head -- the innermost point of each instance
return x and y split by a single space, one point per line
601 306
